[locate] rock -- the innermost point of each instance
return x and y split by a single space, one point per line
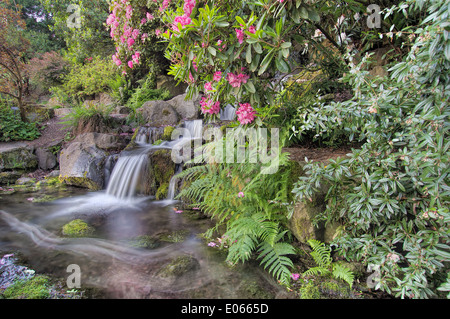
46 159
188 110
179 266
77 228
159 113
83 165
53 102
106 99
10 177
160 173
62 112
16 157
170 84
25 181
122 110
103 141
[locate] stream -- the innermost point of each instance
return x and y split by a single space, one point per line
111 262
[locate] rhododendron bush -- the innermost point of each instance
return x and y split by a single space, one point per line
229 51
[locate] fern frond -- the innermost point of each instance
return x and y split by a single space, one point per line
274 257
344 273
321 253
317 271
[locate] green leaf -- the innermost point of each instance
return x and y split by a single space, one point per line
258 48
286 45
248 55
282 66
266 61
240 21
212 51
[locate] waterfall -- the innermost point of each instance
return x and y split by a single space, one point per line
132 166
127 173
195 127
228 114
172 184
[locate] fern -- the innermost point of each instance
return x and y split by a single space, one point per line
322 256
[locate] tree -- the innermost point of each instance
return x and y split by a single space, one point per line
12 47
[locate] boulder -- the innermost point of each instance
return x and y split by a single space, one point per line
16 156
103 141
83 165
46 159
187 109
159 113
8 178
169 83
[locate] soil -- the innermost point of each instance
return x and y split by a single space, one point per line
53 133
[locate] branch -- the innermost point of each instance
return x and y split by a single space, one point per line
329 38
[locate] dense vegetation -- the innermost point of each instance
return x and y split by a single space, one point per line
323 72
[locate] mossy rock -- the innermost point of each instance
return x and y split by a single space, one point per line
144 241
174 237
167 135
34 288
179 266
10 177
80 182
251 289
310 291
162 191
77 228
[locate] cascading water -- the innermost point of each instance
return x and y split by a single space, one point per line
131 165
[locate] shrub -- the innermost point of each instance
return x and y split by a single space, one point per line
47 70
392 195
90 78
13 129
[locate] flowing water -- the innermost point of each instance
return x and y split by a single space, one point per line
136 240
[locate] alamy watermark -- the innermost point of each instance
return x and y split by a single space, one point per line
374 19
74 279
74 20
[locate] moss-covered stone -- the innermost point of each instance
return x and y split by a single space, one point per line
162 191
251 289
179 267
10 177
167 135
174 237
77 228
145 241
80 182
34 288
17 158
310 291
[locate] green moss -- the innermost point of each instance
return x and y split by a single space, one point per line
174 237
162 191
250 289
167 135
179 266
310 291
77 228
35 288
80 182
144 241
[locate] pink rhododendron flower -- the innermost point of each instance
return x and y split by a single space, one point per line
217 76
237 80
183 20
212 244
245 113
240 35
143 20
130 42
149 16
251 29
209 107
241 194
208 86
130 64
294 276
188 7
135 33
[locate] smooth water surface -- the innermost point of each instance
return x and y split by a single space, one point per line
112 261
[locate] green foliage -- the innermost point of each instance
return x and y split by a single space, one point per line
83 113
322 256
12 128
90 78
34 288
251 205
392 194
147 92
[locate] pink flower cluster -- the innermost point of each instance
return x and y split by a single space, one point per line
183 20
119 21
209 106
245 113
240 33
236 80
